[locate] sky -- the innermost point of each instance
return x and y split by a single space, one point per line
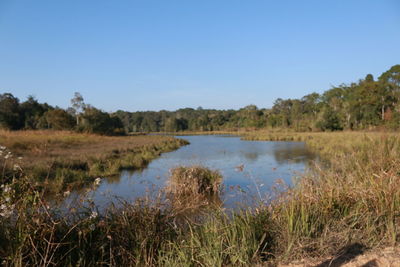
168 54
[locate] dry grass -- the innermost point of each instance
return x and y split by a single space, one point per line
45 147
193 188
353 200
194 180
61 158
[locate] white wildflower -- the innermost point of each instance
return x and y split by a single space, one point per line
6 211
7 199
92 227
16 167
6 188
2 147
93 215
97 181
20 158
66 193
7 156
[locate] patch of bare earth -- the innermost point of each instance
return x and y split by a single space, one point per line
388 257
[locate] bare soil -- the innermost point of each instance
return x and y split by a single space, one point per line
388 257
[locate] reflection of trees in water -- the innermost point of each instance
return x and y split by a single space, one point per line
296 154
114 179
251 156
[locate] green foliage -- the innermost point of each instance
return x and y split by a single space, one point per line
330 121
57 119
365 104
10 114
97 121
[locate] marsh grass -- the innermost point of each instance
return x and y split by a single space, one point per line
61 160
194 180
355 199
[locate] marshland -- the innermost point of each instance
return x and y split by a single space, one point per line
254 187
199 133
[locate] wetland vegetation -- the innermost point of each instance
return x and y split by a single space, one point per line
351 195
355 200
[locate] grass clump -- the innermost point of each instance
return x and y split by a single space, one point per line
194 180
193 188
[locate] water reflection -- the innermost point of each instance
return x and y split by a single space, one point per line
294 153
261 164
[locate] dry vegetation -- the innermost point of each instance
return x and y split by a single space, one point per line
63 159
351 203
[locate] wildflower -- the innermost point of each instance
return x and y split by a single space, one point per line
6 211
93 215
7 199
8 155
16 167
92 227
2 147
66 193
97 181
6 188
20 158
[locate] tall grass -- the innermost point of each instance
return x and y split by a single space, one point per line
355 198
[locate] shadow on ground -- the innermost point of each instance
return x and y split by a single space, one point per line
345 255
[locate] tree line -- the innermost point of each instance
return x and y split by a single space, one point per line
366 104
32 115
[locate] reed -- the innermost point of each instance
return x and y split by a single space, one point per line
353 198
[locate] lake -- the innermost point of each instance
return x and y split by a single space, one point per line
250 169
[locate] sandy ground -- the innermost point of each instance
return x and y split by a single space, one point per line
388 257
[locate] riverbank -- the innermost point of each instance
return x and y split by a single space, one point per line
62 160
352 202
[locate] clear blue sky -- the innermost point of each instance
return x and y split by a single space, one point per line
152 55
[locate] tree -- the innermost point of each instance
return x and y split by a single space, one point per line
330 121
57 119
32 111
390 81
97 121
78 106
10 113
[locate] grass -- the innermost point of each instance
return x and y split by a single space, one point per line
194 180
352 199
61 160
355 198
192 188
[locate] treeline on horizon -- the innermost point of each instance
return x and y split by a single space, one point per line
32 115
367 104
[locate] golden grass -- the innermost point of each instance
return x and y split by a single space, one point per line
62 157
39 147
352 200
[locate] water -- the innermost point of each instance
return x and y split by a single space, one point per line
250 169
